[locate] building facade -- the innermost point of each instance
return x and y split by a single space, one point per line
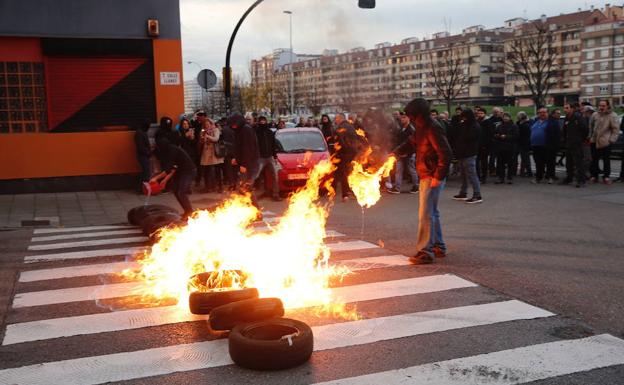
387 75
76 78
602 74
194 96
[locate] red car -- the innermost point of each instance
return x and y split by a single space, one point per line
299 150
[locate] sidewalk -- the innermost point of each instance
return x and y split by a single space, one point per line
82 208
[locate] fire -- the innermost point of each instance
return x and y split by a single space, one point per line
365 183
289 261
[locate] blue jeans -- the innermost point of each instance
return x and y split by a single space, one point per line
410 163
269 164
468 170
429 227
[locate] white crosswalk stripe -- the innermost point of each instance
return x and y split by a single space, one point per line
501 367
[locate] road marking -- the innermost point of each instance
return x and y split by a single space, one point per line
77 271
138 318
351 245
202 355
515 366
116 290
86 235
126 251
357 264
76 229
98 242
328 233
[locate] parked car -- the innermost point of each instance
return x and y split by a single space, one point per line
299 150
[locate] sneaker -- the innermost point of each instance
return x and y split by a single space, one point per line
593 179
421 258
394 190
509 181
620 179
460 197
607 181
439 253
388 185
535 181
500 181
474 200
551 180
345 199
414 190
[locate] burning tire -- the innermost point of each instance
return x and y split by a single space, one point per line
251 310
274 344
137 215
205 302
155 221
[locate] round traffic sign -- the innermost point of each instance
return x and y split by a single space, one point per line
206 79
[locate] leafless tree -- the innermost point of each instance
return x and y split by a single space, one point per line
532 57
449 73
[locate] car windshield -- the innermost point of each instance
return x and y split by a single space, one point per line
299 142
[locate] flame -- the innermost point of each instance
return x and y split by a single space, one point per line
365 182
290 261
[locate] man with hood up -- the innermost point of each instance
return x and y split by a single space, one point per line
143 150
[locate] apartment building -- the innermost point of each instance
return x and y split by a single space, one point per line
602 75
386 76
566 35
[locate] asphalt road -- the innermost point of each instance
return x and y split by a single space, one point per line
531 292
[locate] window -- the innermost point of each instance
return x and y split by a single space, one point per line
590 42
618 52
619 39
604 90
22 97
604 53
605 40
617 88
589 55
604 66
618 64
589 67
589 90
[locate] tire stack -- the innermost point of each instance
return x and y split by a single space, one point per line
260 338
152 218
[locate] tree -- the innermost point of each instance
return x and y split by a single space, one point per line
451 77
533 58
314 102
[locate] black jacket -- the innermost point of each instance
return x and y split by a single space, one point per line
575 131
246 148
553 135
402 135
266 141
466 140
487 134
177 158
524 134
433 153
506 137
349 142
141 141
228 137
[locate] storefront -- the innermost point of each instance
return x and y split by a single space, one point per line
76 79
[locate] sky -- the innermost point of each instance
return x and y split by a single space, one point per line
335 24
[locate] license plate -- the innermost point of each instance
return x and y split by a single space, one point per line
297 176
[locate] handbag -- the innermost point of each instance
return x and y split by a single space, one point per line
220 149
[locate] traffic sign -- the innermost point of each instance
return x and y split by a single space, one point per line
206 79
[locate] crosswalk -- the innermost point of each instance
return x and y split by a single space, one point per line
65 325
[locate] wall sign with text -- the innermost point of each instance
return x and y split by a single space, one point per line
169 78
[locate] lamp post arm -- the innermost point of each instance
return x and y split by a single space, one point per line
228 70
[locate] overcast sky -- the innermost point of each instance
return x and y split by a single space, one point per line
319 24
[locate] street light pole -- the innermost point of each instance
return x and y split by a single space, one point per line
292 70
227 71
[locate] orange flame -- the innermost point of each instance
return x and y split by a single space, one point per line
365 183
290 261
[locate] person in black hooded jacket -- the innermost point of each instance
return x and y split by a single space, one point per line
267 147
467 134
246 153
505 142
143 150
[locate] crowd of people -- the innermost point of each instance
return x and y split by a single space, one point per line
232 153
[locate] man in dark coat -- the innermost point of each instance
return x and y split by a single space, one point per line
179 166
246 153
143 150
485 144
466 147
433 158
575 132
268 154
408 161
347 146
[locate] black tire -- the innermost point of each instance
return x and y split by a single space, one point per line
205 302
250 310
263 345
154 236
138 214
155 221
